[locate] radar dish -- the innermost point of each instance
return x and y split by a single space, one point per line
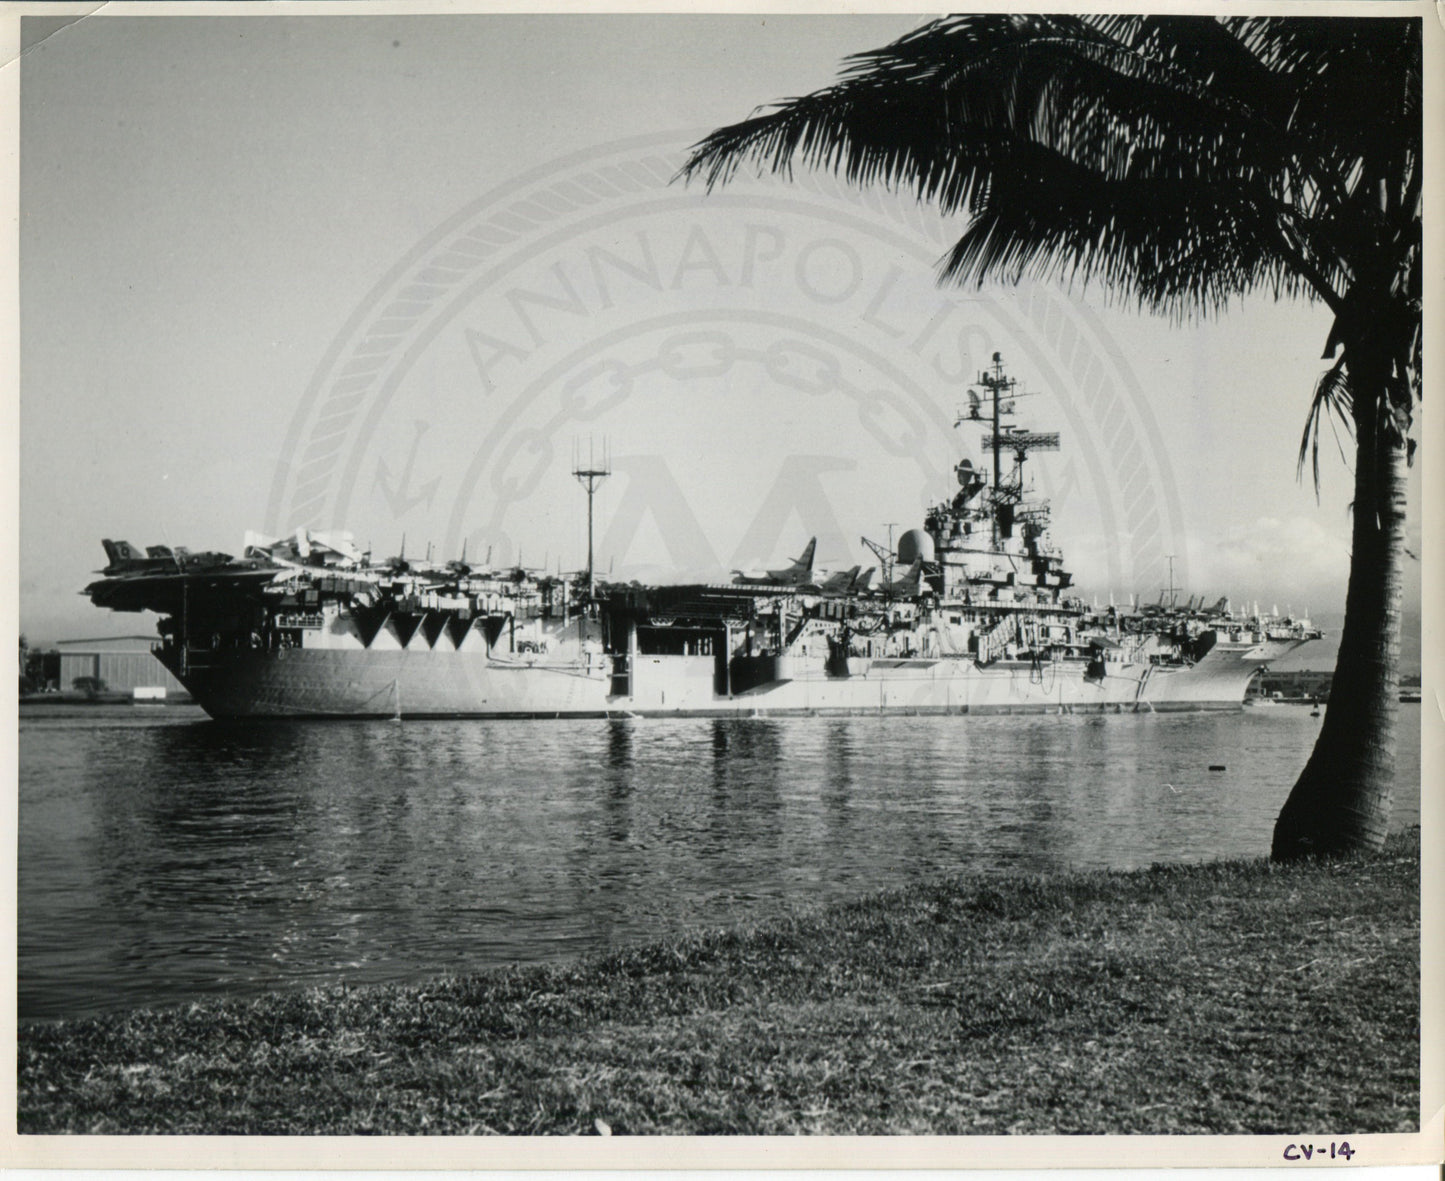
915 546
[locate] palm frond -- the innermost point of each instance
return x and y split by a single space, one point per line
1173 245
1181 159
1332 399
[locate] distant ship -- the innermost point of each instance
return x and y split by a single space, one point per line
971 615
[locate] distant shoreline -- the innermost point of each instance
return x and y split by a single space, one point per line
84 700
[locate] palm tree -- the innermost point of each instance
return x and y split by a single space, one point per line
1183 161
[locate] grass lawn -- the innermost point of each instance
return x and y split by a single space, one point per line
1234 997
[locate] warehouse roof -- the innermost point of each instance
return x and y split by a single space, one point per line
112 643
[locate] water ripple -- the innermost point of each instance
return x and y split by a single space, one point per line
164 857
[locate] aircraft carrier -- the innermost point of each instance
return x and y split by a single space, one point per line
973 614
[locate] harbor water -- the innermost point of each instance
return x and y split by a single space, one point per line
165 858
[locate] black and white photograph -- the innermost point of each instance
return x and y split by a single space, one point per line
752 574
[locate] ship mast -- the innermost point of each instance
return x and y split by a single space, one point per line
997 385
1019 442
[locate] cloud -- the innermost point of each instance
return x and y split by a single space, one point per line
1275 558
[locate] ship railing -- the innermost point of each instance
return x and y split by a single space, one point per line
300 619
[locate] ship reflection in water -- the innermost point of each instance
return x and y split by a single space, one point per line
164 858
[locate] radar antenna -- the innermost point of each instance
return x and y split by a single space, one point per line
1001 394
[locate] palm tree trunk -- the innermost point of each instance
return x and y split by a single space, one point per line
1341 802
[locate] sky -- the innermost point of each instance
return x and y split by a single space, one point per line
399 275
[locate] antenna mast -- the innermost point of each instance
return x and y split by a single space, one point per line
997 385
1019 442
590 475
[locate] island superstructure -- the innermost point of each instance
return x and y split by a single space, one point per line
973 614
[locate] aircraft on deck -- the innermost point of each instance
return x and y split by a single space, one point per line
136 582
909 585
305 548
848 582
800 573
124 560
461 568
839 583
399 564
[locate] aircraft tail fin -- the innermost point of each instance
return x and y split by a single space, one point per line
121 553
911 581
805 562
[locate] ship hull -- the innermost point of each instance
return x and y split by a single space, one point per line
342 683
